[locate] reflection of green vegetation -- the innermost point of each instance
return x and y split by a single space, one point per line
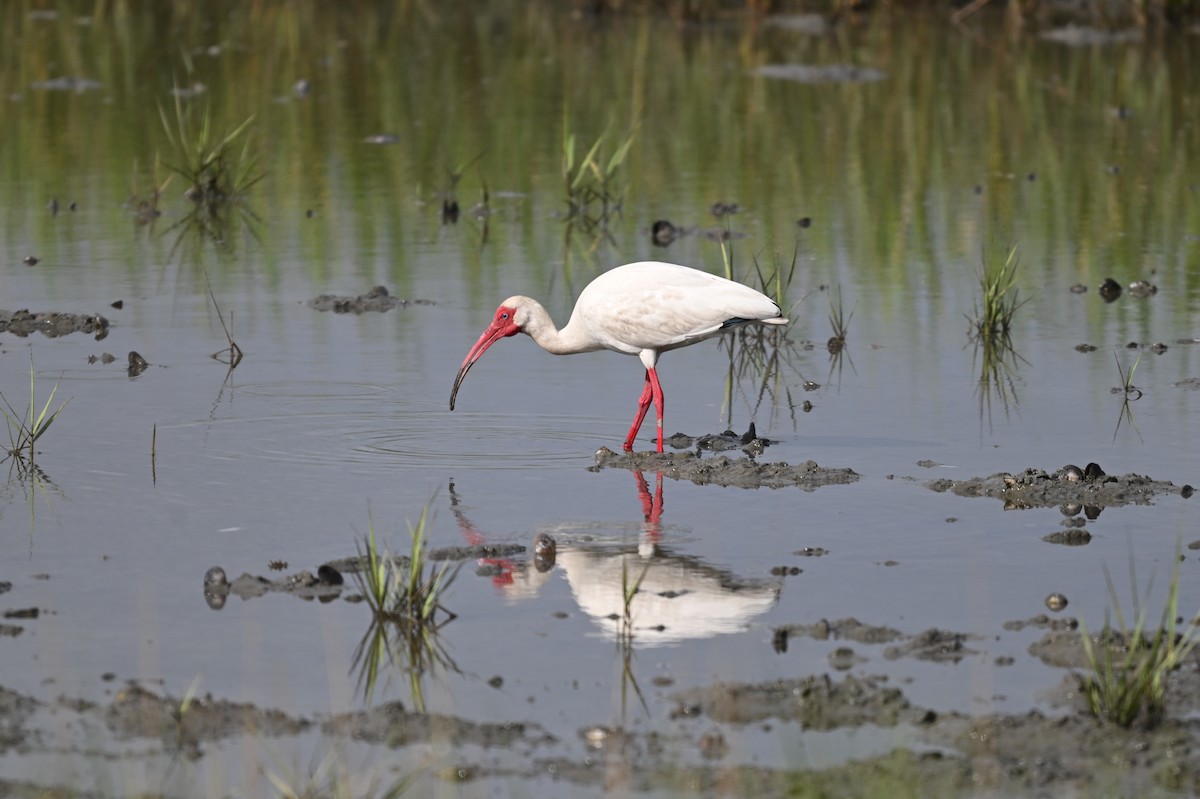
903 215
1131 393
330 778
1127 678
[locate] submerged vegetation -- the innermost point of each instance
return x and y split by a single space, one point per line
1128 668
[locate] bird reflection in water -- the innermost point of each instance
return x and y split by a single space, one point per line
646 592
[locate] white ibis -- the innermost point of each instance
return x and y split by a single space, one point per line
641 309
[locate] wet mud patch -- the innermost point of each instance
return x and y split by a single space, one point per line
393 726
725 471
1067 487
52 324
816 703
376 300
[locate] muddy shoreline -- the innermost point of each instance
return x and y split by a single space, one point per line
1034 753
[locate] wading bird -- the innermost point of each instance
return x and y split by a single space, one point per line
641 309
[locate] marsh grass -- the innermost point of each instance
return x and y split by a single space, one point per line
405 596
1128 667
329 778
839 321
990 329
218 172
408 590
761 352
999 301
208 161
1131 394
593 185
26 429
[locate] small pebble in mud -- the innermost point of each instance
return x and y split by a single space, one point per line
713 745
1093 472
215 576
779 640
662 232
720 209
1142 288
1158 348
545 552
978 189
1056 602
804 221
1085 347
496 682
277 565
137 364
844 658
119 304
328 575
1032 176
811 386
1133 345
1109 289
1186 491
30 260
544 545
1079 288
806 406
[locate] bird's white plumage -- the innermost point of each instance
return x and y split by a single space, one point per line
643 309
651 305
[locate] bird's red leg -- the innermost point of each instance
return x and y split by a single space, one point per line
659 402
643 406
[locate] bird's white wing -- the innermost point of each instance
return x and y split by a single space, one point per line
659 306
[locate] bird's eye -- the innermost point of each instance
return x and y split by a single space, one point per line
504 315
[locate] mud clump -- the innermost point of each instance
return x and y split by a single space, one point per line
725 471
1035 488
23 323
376 300
816 703
938 646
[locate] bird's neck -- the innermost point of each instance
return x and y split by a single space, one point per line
572 338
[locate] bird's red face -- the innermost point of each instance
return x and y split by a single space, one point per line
503 325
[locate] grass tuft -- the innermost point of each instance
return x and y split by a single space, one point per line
404 590
999 303
213 168
1128 667
594 192
24 430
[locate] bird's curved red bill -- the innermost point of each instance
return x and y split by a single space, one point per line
494 333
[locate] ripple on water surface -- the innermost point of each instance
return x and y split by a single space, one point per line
366 425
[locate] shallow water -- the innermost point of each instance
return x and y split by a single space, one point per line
333 420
